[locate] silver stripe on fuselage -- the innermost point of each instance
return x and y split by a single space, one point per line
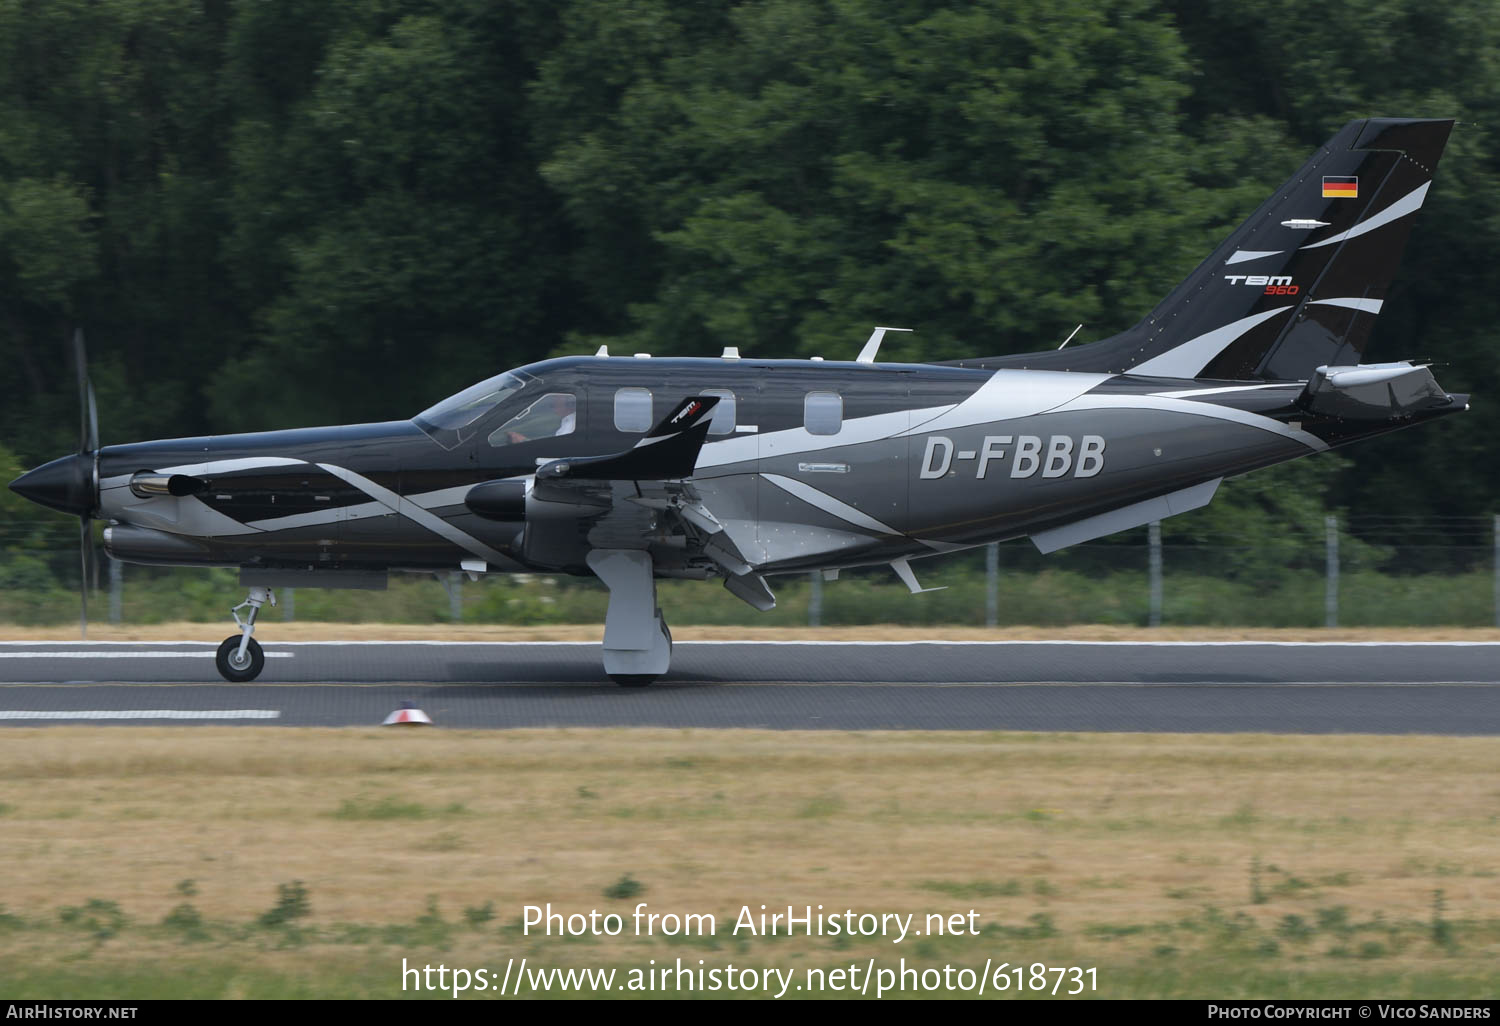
1004 395
828 504
1011 395
1186 393
791 441
436 524
1195 409
211 467
230 466
385 501
312 518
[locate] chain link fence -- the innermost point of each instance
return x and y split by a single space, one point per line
1373 571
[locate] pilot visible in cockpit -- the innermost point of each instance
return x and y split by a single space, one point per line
552 415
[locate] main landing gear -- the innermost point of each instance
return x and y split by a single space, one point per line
239 658
637 641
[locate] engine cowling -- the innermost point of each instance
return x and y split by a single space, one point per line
132 544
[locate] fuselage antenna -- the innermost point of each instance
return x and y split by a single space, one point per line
1070 337
872 345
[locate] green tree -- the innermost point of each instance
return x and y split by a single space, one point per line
110 171
391 232
1312 69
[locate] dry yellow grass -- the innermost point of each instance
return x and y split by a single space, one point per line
1087 829
272 630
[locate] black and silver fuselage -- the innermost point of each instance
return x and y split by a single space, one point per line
809 464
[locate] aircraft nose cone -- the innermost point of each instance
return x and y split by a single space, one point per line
65 484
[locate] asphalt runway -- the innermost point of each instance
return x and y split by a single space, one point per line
1193 687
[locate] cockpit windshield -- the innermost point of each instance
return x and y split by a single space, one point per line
446 422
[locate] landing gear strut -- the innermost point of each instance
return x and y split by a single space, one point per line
239 658
637 642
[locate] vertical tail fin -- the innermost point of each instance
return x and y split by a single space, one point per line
1301 282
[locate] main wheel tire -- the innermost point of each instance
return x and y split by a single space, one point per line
632 680
231 668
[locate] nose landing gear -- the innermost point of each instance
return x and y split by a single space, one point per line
240 658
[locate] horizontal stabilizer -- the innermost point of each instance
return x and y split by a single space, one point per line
1376 391
1126 517
669 452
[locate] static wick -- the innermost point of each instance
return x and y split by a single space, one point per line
1070 337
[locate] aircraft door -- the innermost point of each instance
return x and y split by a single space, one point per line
832 464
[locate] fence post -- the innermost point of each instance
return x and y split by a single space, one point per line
992 584
1153 536
1497 569
1331 589
289 604
83 591
815 600
455 584
116 586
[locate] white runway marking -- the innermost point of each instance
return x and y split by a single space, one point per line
86 650
140 714
87 647
98 654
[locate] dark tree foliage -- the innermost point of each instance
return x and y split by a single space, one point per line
295 211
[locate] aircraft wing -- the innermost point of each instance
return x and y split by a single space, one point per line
641 498
668 452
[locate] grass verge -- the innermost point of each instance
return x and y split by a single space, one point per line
220 862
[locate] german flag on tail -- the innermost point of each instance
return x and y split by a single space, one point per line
1338 187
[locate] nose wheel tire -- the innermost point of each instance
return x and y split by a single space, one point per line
233 667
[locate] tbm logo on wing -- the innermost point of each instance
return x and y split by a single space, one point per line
1029 456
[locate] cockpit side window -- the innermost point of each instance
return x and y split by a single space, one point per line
450 422
554 414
